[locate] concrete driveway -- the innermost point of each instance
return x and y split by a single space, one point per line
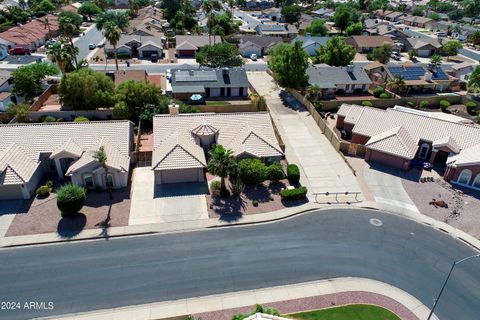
322 168
178 202
8 210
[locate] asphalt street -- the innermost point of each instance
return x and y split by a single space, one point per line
91 36
102 274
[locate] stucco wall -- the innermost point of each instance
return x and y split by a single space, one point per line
386 159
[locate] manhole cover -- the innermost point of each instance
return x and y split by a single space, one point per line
376 222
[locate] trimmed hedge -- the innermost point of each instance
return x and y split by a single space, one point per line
70 199
378 91
251 171
471 106
293 174
385 95
43 191
424 104
81 119
274 172
293 194
444 104
367 103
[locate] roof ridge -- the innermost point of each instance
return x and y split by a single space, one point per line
86 123
14 171
436 119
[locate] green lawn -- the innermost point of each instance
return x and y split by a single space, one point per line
350 312
218 103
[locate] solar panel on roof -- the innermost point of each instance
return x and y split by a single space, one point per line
408 73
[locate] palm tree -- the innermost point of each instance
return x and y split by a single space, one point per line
112 33
206 6
211 23
221 163
69 29
436 60
231 4
101 156
120 19
46 25
396 84
60 54
313 92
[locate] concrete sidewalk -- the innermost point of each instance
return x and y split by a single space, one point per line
184 307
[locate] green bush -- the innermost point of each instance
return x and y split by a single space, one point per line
378 91
274 172
444 104
367 103
293 194
81 119
318 106
50 184
48 119
70 199
43 191
237 187
215 187
471 106
251 171
255 203
410 104
385 95
424 104
293 174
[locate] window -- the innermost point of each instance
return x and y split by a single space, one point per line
424 151
464 177
108 180
476 182
88 181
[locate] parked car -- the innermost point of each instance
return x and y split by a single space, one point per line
253 56
441 34
101 44
154 58
92 46
395 55
20 51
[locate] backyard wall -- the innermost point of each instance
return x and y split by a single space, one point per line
37 104
233 106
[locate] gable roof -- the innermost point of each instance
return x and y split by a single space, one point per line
259 41
31 32
368 41
16 166
176 145
309 40
193 80
396 139
195 42
419 43
321 73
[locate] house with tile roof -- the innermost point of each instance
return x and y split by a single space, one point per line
333 80
29 151
135 45
182 141
259 45
188 46
421 78
397 136
425 47
417 21
283 30
209 83
365 44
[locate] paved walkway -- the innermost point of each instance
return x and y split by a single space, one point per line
288 299
322 168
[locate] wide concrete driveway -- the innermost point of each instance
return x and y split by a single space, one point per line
8 210
322 168
168 203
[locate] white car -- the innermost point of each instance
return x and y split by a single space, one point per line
253 56
92 46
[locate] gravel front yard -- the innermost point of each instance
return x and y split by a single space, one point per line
463 210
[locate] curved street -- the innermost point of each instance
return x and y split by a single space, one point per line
94 275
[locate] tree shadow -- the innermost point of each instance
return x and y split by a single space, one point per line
69 227
229 209
413 174
259 192
105 224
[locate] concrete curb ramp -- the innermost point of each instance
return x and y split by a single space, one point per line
183 307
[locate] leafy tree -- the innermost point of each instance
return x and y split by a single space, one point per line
354 29
451 48
252 171
45 6
417 12
455 15
313 92
120 19
139 101
474 37
27 80
221 164
86 89
317 28
474 80
436 60
69 28
18 110
382 53
70 199
101 157
434 16
112 34
89 9
292 13
344 16
289 63
71 17
219 55
396 84
335 53
471 7
412 54
102 4
377 4
170 8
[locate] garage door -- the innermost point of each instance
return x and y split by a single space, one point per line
148 53
186 53
181 175
8 192
386 159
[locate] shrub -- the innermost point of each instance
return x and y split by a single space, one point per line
318 106
367 103
378 91
43 191
385 95
293 194
410 104
215 187
471 106
444 104
424 104
293 174
274 172
70 199
81 119
237 187
255 203
48 119
50 184
251 171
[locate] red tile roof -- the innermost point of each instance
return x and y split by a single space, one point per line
31 32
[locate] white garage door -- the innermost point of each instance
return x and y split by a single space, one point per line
181 175
8 192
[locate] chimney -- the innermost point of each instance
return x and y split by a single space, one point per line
173 109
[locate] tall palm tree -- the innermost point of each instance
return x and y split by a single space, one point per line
120 19
206 6
60 54
436 60
112 33
231 4
46 25
69 29
313 92
211 23
101 156
221 164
